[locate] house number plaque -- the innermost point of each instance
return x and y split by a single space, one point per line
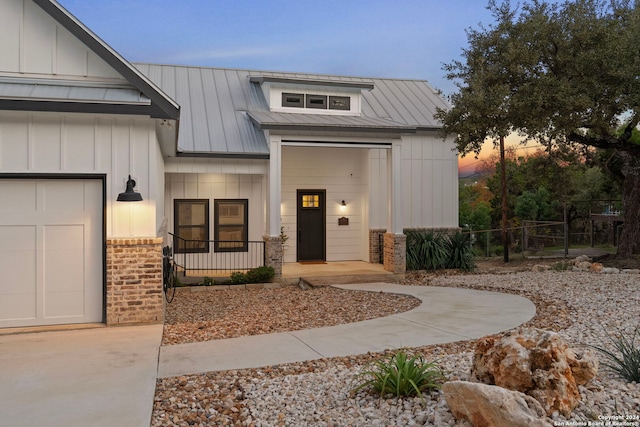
343 221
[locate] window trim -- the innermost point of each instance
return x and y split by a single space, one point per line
287 103
244 247
177 227
316 105
340 98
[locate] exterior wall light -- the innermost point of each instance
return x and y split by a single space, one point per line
343 204
129 195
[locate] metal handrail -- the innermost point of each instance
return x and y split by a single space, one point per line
216 257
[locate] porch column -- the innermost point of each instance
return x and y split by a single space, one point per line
273 247
395 242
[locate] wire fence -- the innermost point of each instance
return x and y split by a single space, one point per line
542 239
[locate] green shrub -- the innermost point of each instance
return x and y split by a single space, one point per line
261 274
460 251
426 250
207 281
238 278
401 376
624 358
255 275
561 266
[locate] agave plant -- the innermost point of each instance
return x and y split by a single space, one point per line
426 250
624 359
460 252
400 375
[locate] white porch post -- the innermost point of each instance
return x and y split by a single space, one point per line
274 195
274 256
395 242
394 187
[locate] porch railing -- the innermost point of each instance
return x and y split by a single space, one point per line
202 258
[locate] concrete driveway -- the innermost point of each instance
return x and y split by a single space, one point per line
84 378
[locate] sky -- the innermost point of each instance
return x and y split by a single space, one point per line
369 38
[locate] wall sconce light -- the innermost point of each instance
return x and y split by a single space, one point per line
129 195
343 203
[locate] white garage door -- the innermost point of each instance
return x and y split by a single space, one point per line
50 252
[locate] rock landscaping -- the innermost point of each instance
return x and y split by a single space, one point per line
580 307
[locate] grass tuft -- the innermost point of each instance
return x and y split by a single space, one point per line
624 358
400 376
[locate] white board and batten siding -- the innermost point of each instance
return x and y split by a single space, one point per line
429 184
212 186
52 224
115 146
339 171
35 44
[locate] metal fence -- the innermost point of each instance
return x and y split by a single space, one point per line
532 238
544 238
216 258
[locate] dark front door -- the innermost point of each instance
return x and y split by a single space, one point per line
311 225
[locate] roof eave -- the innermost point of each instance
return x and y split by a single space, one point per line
169 108
223 155
314 82
81 107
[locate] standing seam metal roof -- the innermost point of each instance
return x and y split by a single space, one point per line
222 111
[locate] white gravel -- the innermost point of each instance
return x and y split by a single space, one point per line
583 307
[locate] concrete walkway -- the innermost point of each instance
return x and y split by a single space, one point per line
445 315
106 376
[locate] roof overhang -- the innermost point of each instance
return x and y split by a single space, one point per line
321 123
220 155
165 107
314 82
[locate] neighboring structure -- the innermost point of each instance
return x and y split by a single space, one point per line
234 156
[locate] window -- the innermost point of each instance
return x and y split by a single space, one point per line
310 201
317 101
191 225
293 100
231 225
339 103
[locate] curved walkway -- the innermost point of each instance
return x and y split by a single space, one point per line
445 315
107 376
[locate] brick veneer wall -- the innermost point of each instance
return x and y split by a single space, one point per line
274 255
376 244
134 281
395 253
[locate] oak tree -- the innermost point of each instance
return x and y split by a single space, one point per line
564 74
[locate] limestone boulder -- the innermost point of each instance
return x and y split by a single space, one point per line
535 362
485 405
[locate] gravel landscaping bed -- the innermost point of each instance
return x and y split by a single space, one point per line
582 307
216 314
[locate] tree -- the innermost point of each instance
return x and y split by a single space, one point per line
565 75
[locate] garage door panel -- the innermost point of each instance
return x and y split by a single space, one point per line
22 196
64 258
16 308
16 238
65 305
62 196
18 265
51 252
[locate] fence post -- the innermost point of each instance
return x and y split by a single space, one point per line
566 230
488 243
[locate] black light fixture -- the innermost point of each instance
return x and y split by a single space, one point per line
343 203
129 195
